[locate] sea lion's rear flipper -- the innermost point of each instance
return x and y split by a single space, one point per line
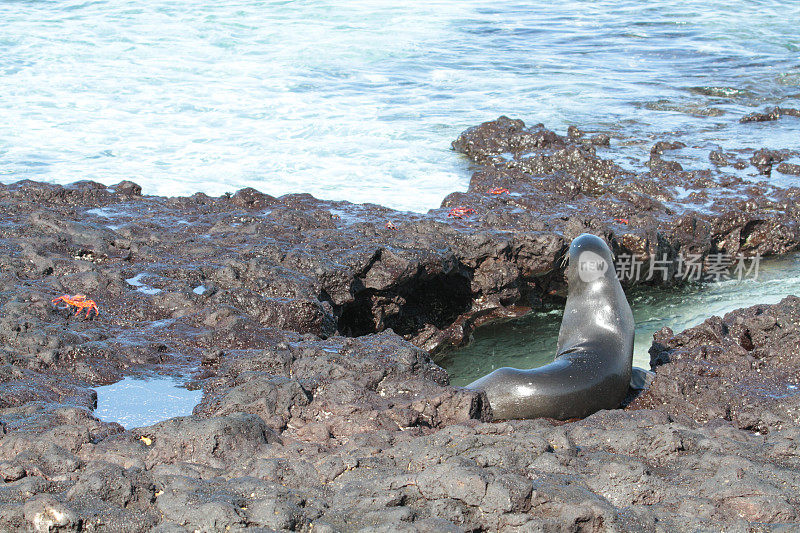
641 378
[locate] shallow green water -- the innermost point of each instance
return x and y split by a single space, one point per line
530 341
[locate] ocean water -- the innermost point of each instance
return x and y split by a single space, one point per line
360 100
530 341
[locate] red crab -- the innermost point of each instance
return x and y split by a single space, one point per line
498 190
460 212
79 301
621 220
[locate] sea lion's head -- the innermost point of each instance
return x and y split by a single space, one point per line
590 259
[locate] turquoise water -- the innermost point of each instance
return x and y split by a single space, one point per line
530 341
360 100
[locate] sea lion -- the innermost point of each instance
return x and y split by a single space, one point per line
592 367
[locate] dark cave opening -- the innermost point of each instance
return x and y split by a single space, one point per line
409 308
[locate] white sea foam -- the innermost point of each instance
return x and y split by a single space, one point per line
360 100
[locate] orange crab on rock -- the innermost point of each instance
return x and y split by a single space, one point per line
79 301
460 212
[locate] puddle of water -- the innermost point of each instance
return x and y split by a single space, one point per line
346 216
135 402
200 289
136 281
103 212
164 322
530 341
110 213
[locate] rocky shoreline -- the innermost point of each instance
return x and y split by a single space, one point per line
311 324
